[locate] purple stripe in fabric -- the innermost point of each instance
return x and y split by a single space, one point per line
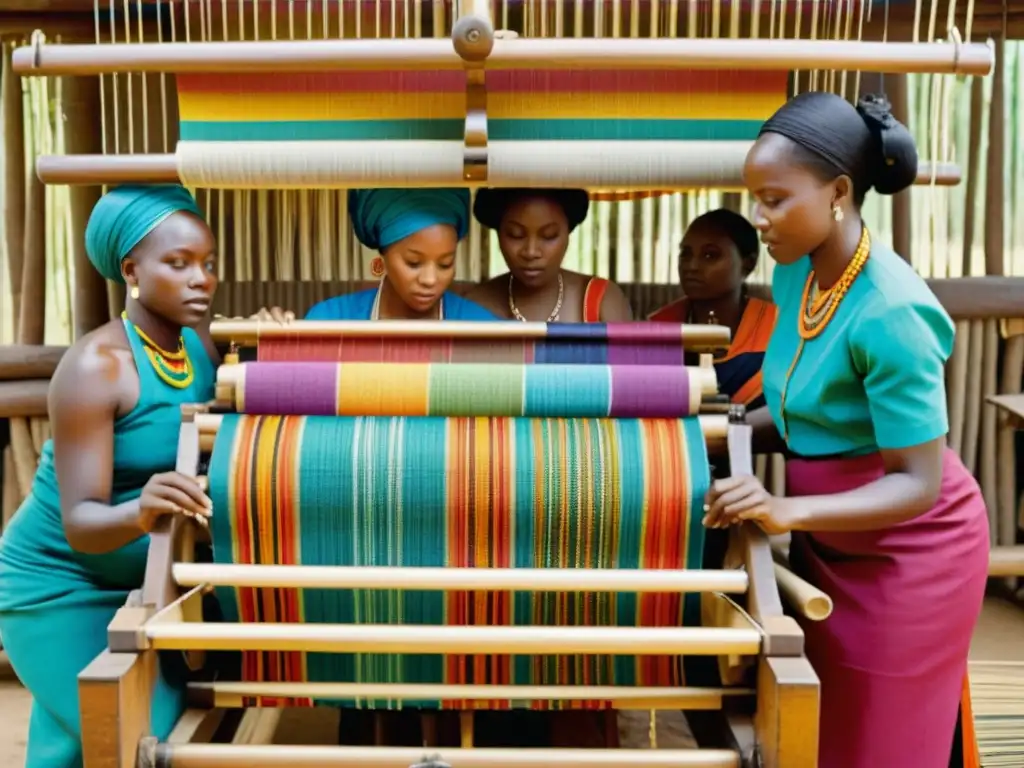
650 391
285 388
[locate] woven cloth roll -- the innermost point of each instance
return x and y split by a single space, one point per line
638 343
467 389
459 492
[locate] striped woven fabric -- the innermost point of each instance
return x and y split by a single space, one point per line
522 105
459 492
635 343
467 389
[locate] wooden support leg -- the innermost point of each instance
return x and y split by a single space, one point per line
788 699
114 694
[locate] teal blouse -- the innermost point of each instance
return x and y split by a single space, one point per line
875 377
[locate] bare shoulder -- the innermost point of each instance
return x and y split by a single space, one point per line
94 370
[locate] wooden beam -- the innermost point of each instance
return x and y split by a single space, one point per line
28 361
788 699
23 398
114 697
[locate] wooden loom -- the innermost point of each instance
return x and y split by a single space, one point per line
765 714
168 167
472 112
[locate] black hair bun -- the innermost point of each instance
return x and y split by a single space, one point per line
896 167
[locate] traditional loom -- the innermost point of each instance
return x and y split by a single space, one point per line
466 595
404 515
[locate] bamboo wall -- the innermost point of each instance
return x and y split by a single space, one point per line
291 246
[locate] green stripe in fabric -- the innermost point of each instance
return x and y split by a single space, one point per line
474 388
524 551
452 130
699 473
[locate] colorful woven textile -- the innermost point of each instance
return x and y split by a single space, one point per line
636 343
467 389
459 492
522 105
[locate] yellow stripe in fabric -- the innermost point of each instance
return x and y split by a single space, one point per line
372 389
270 107
227 107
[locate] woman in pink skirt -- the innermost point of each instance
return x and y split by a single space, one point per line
884 516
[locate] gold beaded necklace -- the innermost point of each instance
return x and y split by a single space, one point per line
174 368
554 312
817 309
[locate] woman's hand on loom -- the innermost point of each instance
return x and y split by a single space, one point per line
274 314
172 493
735 499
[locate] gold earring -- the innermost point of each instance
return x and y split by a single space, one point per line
837 213
134 293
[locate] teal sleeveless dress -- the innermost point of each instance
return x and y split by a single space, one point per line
55 603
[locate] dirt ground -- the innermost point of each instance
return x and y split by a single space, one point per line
998 638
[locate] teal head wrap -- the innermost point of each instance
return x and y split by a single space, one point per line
124 216
382 217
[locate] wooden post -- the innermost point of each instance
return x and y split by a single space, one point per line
995 189
81 97
902 217
114 698
14 176
971 173
787 712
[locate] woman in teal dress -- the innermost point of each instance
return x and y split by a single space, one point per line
884 516
77 545
415 232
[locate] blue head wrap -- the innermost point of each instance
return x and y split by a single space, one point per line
382 217
124 216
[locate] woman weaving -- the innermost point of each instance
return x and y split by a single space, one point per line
884 516
533 227
78 544
717 254
416 232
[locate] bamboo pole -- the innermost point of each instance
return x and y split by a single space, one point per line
81 101
520 53
14 178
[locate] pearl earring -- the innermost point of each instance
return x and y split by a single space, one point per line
134 293
837 213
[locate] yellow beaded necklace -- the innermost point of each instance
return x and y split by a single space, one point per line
174 368
818 308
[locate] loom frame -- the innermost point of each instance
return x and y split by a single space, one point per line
773 725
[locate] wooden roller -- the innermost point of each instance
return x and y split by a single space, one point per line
426 639
249 332
290 756
231 379
714 426
810 601
516 164
949 57
458 579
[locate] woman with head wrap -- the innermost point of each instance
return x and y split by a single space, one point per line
78 544
884 516
415 232
533 227
718 253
